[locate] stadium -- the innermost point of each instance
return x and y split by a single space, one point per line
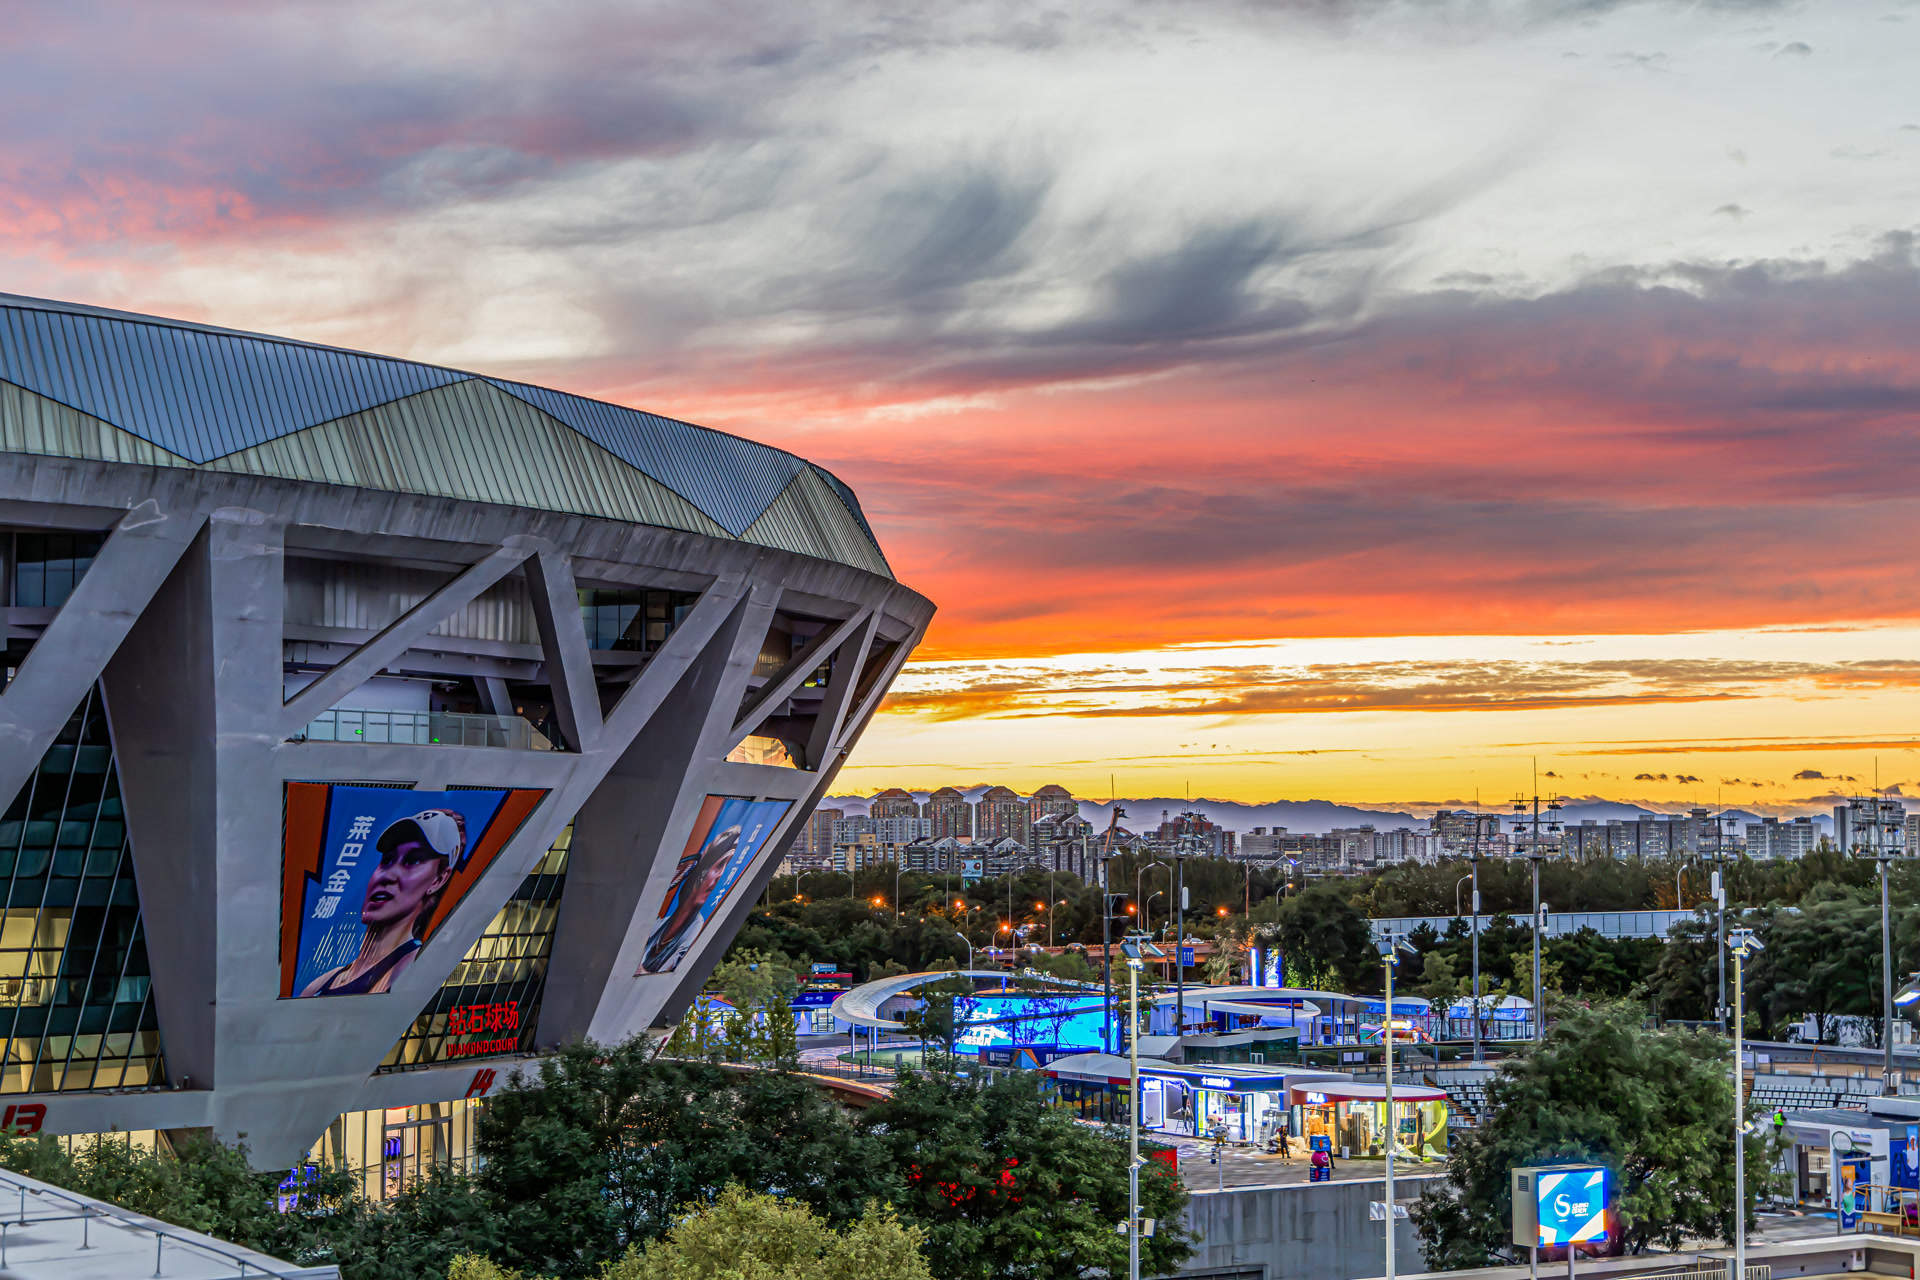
371 727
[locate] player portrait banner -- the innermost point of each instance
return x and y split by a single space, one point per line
369 874
726 837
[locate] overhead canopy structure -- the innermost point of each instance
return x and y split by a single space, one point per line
860 1007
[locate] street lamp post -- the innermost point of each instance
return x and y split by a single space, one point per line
1106 930
1479 827
1136 949
1390 948
1139 887
1743 945
969 941
1146 910
898 868
1534 855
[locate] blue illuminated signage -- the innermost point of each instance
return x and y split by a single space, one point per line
1063 1021
1572 1204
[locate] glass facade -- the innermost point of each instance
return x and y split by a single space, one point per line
76 1007
388 1150
47 565
633 620
490 1003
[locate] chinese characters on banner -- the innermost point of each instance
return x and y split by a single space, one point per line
370 873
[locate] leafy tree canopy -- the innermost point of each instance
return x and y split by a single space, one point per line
1007 1186
1653 1106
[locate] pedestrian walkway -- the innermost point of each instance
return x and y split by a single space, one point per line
1241 1166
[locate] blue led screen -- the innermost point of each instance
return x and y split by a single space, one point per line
996 1021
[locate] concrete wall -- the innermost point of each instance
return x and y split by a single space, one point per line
1319 1230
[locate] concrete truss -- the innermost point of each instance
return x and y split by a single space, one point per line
183 621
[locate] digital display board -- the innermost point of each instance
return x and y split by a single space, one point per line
1001 1021
1561 1204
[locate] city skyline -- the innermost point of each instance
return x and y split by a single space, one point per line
1354 401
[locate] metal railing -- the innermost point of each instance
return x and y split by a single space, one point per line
86 1212
425 728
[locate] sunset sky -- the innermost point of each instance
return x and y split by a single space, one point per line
1353 400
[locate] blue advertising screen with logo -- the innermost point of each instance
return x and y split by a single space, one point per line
1066 1021
1573 1204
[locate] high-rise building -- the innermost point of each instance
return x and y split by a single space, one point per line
1262 844
1003 815
1052 799
1463 832
893 803
817 840
950 814
1772 838
1065 842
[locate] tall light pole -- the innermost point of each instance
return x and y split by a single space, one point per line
969 941
1139 886
1879 825
1390 948
1480 821
1106 931
1743 945
1135 949
1719 859
1534 855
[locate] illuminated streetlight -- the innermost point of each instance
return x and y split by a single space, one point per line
1390 949
1743 945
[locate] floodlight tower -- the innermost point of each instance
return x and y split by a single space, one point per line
1137 949
1534 855
1744 946
1390 949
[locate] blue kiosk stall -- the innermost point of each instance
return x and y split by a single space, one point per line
1245 1102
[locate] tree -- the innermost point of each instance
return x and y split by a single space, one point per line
1653 1106
760 987
1821 962
602 1148
1320 929
1007 1186
1437 981
744 1236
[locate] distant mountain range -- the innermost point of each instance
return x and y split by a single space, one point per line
1315 817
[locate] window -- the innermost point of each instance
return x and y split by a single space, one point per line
490 1003
47 566
76 1009
632 620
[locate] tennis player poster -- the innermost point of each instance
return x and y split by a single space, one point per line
726 836
370 873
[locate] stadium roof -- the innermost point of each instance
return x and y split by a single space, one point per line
85 382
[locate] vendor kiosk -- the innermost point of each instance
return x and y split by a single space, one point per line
1353 1118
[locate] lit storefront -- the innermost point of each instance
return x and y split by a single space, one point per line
1353 1117
388 1150
1244 1103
